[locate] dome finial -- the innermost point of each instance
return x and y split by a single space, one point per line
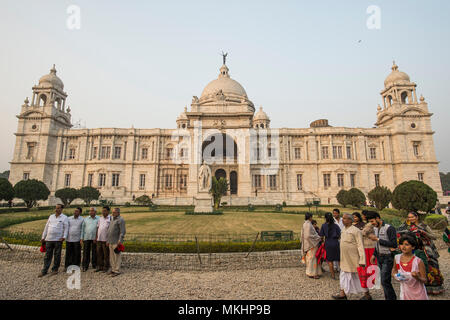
394 66
224 56
53 69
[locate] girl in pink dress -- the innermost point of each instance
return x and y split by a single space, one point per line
410 271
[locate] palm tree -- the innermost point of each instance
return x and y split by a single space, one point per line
219 187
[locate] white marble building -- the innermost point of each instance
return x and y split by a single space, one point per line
262 164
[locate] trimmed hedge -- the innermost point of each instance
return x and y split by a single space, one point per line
214 213
436 221
214 247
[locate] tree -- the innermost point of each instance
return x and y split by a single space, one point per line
342 198
445 181
5 174
67 195
415 196
88 194
381 196
144 200
6 190
218 189
30 191
355 197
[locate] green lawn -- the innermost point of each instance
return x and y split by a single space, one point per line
140 220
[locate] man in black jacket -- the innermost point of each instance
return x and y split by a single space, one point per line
386 238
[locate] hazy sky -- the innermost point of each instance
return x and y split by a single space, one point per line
140 62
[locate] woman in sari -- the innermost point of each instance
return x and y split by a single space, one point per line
427 251
310 244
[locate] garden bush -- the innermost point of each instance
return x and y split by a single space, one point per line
436 221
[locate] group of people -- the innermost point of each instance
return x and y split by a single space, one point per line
358 246
101 239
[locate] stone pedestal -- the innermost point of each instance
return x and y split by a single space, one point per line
203 203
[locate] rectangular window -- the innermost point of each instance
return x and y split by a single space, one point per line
420 176
26 175
117 152
142 181
416 149
337 152
270 152
61 153
340 179
326 180
94 153
298 153
273 182
144 153
169 153
349 152
106 153
299 182
324 152
168 181
377 180
90 179
373 153
72 153
352 180
183 181
115 180
30 151
101 179
257 181
67 180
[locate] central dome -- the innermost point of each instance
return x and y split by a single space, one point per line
224 83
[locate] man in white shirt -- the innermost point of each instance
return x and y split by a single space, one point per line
55 232
73 242
102 232
338 220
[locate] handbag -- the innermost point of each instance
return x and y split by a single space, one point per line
363 276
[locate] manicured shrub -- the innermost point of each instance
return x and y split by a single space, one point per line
66 195
342 198
6 190
31 191
414 196
436 221
381 196
356 197
88 194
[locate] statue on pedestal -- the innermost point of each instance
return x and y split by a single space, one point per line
204 178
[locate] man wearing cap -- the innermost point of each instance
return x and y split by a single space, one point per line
116 233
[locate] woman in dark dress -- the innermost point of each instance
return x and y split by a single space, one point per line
332 233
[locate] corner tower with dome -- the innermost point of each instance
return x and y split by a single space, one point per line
263 165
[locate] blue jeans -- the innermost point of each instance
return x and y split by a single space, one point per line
386 263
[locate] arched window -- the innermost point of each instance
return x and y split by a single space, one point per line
219 146
389 100
42 100
404 97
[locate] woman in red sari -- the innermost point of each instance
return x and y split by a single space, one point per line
369 245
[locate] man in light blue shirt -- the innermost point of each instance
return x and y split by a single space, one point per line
55 232
73 241
88 239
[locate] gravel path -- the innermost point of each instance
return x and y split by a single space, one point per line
19 281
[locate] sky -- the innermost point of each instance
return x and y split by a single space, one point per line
138 63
